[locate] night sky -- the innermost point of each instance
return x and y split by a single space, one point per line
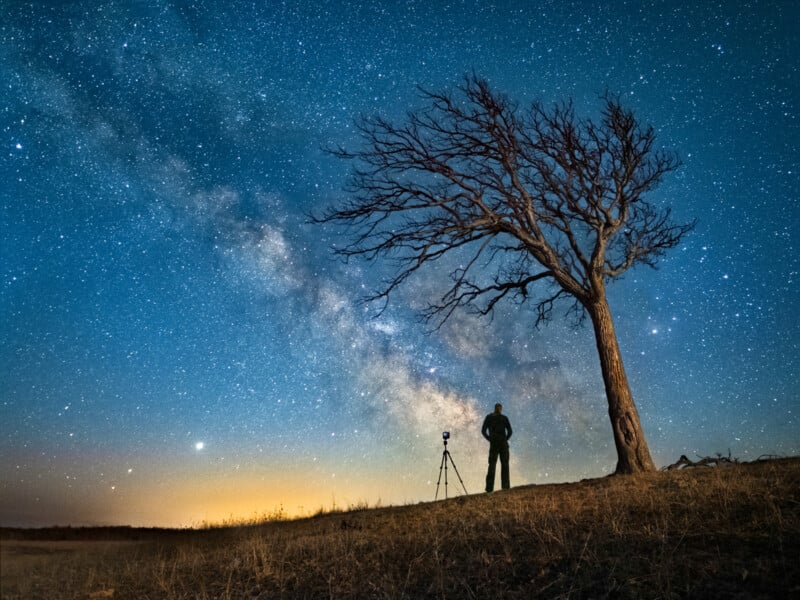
178 344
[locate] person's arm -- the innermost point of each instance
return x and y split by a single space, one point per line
485 428
508 428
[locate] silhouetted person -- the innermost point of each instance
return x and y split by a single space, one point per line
497 429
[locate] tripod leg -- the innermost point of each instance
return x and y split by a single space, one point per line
443 464
457 473
446 454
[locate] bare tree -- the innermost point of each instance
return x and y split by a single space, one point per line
538 205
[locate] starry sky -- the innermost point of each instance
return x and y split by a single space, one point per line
178 345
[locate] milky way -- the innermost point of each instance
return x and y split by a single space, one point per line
178 344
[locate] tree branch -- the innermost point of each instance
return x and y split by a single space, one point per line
473 172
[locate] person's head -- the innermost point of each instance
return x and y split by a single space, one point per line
498 408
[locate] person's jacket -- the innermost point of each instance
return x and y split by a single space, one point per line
496 427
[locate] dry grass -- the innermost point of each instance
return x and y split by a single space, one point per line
697 533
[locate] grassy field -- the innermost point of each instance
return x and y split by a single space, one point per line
722 532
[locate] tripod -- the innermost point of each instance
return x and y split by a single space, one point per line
445 457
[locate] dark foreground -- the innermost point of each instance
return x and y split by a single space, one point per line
721 532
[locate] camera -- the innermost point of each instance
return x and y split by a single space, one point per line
445 435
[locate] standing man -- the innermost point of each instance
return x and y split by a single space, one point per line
497 429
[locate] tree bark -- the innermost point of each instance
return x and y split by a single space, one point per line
633 455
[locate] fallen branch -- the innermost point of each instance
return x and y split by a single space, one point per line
708 461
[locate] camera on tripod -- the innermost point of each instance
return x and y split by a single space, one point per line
443 466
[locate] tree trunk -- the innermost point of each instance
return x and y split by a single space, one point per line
633 455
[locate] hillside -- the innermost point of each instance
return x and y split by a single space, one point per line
720 532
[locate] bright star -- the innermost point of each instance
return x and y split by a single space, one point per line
199 446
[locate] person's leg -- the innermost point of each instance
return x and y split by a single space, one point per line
492 465
504 476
